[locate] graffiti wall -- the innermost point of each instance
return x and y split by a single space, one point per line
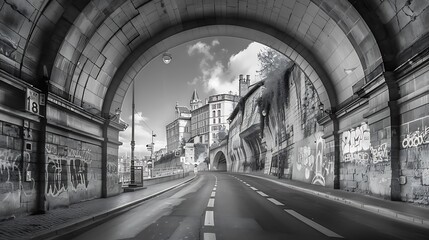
364 167
17 170
312 164
73 171
414 155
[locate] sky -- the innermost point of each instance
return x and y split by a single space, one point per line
209 65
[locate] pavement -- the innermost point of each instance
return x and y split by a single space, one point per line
59 222
403 211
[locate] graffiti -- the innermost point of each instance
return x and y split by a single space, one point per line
112 175
380 154
12 186
56 176
319 177
416 139
355 145
66 171
305 160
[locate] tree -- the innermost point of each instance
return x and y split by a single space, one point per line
270 60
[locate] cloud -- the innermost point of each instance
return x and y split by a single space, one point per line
201 48
219 78
215 42
193 82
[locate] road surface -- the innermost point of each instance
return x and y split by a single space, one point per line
233 206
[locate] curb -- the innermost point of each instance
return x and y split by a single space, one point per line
370 208
65 231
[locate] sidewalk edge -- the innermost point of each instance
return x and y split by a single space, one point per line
370 208
69 228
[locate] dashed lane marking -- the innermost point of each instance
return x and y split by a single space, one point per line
313 224
209 236
253 188
275 201
211 202
262 194
213 194
209 219
214 189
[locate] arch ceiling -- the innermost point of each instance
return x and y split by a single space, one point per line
93 49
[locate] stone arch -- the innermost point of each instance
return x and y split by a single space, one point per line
219 161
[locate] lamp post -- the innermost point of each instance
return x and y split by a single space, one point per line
133 143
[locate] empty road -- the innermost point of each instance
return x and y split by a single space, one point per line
234 206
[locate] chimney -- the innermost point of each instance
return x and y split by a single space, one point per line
241 77
248 79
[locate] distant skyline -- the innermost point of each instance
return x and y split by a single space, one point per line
209 65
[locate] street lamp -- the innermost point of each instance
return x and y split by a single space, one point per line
166 58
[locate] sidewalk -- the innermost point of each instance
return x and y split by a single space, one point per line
403 211
60 221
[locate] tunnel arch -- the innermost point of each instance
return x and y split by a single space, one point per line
110 47
219 161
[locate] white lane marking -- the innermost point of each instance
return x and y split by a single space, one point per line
244 182
262 194
214 189
248 185
209 219
253 188
211 202
275 201
213 194
313 224
209 236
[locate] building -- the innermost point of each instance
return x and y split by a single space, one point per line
220 107
244 84
199 120
179 131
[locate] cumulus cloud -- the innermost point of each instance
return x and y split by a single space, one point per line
215 42
201 48
222 78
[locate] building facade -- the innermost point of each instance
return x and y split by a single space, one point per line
220 107
179 130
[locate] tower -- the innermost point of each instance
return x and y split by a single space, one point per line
195 101
244 84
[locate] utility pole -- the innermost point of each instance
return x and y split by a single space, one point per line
133 143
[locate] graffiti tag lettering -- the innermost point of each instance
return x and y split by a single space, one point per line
380 154
356 144
416 139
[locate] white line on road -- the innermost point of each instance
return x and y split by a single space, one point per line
209 219
248 185
213 194
211 202
262 194
214 189
209 236
275 202
253 188
313 224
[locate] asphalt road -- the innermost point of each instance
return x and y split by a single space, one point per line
230 206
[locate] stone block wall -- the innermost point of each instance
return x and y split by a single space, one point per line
18 152
73 171
414 136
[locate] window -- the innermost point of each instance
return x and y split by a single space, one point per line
214 106
214 113
218 113
219 121
218 105
214 120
